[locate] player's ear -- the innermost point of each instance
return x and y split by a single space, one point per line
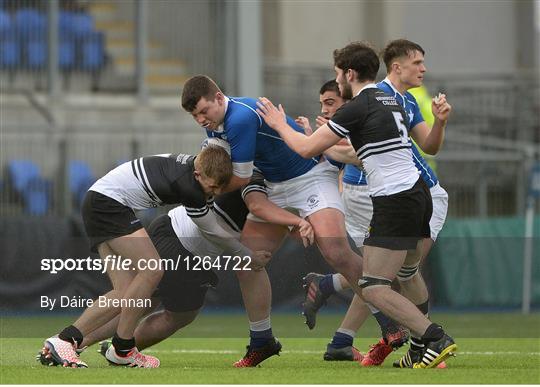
220 98
350 75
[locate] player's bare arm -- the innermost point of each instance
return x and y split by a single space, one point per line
430 139
307 147
259 205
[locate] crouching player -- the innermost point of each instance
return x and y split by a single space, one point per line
182 292
114 230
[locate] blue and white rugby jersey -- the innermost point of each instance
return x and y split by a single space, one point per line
354 175
412 109
253 143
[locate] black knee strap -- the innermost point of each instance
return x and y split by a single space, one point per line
366 281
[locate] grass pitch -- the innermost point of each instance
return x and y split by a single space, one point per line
493 349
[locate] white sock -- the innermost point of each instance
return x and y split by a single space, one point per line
372 308
347 332
337 283
262 325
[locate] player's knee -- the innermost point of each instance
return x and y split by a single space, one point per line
152 276
406 273
177 320
371 285
244 275
336 252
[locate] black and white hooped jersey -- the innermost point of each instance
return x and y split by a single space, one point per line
154 181
377 128
230 216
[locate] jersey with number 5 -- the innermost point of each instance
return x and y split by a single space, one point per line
377 128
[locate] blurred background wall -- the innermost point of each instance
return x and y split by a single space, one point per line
86 85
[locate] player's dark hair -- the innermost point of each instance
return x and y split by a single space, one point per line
196 88
214 162
360 57
330 86
398 48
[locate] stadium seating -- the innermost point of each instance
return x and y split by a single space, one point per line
80 179
36 52
29 21
93 51
27 182
10 49
5 21
36 196
24 42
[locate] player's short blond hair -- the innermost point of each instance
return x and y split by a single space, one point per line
214 162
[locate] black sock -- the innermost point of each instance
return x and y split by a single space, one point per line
424 308
433 333
416 344
72 335
122 346
386 323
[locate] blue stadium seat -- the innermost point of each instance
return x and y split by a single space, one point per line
80 179
93 51
28 183
36 196
29 21
83 24
36 52
5 21
75 24
10 50
66 53
21 172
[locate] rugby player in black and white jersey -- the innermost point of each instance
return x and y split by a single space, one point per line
377 127
114 230
182 292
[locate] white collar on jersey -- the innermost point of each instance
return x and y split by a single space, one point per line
221 128
389 83
403 97
368 86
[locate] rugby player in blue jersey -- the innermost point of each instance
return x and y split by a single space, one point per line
307 186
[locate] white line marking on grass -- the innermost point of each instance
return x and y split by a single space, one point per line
308 352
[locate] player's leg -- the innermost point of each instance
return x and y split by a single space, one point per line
139 249
341 347
107 330
96 316
411 281
160 325
329 228
257 293
62 349
380 267
357 208
398 223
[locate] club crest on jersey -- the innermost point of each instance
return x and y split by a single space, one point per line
313 201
